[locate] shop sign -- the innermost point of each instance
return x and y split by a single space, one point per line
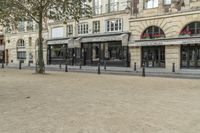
58 42
167 42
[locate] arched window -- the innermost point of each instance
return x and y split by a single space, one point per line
191 29
20 43
153 32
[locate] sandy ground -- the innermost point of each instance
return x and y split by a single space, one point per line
88 103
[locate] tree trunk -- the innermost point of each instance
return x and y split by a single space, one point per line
40 62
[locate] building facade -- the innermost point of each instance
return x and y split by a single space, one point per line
22 43
165 32
150 33
102 38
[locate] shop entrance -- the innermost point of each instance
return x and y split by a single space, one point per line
113 53
190 56
153 56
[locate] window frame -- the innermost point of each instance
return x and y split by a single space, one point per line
113 25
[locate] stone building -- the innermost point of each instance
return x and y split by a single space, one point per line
21 43
2 48
102 38
150 33
165 32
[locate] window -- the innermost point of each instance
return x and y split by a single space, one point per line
167 2
21 54
96 26
30 41
83 28
112 6
57 32
84 8
20 43
69 30
150 4
29 25
152 33
21 26
97 7
114 25
191 29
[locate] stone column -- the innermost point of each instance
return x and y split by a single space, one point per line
172 55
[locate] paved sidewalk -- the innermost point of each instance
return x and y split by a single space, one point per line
160 72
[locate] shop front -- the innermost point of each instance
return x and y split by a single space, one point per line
110 49
153 56
60 51
190 56
184 52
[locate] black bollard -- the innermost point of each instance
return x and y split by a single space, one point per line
143 70
173 67
80 65
29 63
60 66
99 69
66 68
105 65
135 66
2 64
20 65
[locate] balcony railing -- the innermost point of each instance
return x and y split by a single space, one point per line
112 7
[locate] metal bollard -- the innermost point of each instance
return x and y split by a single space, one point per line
143 71
105 65
99 69
66 68
173 67
29 63
20 65
2 64
135 66
80 65
60 66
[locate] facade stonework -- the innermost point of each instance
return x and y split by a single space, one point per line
31 47
153 33
172 22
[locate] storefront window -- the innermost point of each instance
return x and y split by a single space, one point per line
153 56
57 51
190 56
113 53
153 32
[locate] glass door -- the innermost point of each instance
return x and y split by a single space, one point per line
153 56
